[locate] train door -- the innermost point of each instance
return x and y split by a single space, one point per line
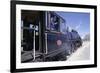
31 33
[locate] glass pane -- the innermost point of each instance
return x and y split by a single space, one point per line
54 22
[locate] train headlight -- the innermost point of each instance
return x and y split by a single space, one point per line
59 42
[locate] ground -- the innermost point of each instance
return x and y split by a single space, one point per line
83 53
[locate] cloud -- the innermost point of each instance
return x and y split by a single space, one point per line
83 34
78 26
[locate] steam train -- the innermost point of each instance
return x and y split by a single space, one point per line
44 37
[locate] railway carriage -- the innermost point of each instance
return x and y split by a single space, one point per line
44 37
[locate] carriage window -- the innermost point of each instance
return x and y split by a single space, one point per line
62 26
54 22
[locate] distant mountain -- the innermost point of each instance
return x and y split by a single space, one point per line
86 37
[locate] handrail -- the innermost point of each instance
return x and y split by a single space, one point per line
53 32
46 43
34 45
27 28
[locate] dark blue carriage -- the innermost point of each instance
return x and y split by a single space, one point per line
45 37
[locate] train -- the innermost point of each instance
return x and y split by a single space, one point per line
45 37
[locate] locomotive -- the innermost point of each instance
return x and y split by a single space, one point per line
44 37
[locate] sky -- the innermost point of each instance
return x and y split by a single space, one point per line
77 20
